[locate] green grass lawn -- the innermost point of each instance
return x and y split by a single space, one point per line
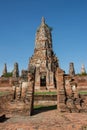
55 93
4 93
45 93
83 92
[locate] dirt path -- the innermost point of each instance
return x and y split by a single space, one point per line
49 120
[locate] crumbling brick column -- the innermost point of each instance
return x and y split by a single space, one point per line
60 90
23 96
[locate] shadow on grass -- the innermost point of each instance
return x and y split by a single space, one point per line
41 109
3 118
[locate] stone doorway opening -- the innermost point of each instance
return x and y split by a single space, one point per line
43 81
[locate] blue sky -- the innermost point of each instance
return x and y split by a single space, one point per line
19 20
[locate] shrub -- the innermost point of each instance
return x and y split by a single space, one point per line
9 74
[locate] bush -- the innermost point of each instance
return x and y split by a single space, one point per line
83 74
9 74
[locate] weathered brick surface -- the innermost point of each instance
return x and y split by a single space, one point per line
68 97
4 82
44 60
49 120
21 99
4 102
45 100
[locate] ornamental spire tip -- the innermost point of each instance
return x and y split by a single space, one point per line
43 20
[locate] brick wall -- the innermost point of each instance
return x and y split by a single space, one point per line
45 100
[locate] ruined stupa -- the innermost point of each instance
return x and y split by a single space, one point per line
5 69
83 70
44 60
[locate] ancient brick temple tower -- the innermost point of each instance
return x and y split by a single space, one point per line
44 60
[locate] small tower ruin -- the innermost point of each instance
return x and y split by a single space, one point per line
5 69
83 70
15 71
71 69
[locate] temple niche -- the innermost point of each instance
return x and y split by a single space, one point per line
44 60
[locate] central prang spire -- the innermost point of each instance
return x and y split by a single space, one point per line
44 60
43 20
43 36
